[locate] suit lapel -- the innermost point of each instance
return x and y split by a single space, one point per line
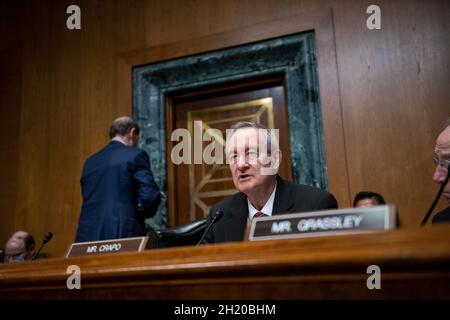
238 219
283 202
237 222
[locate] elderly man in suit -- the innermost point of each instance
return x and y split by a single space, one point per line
254 157
442 162
118 188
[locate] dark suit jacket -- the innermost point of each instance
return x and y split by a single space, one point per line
289 197
119 192
442 216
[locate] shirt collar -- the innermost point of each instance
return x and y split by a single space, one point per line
267 209
118 140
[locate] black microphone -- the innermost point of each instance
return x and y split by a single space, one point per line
217 215
48 236
433 205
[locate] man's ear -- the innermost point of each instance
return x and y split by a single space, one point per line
130 136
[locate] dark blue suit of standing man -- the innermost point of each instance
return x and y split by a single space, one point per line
118 188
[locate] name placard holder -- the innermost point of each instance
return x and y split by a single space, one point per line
322 223
135 244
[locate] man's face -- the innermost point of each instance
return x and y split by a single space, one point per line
364 203
442 152
250 168
16 244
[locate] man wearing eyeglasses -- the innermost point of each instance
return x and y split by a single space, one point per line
254 157
442 161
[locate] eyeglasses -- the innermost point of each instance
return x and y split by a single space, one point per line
443 163
249 157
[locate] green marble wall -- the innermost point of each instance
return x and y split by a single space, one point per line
292 56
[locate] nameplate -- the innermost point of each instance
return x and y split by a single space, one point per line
107 246
323 223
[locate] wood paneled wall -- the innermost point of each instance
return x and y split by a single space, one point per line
10 106
59 94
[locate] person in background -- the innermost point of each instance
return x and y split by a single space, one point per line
365 199
20 247
118 188
442 162
368 199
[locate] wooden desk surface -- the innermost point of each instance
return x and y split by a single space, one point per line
414 263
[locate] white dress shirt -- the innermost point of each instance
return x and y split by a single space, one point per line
267 209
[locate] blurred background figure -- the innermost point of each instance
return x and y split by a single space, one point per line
20 247
364 199
368 199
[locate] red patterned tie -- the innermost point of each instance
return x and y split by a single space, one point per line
259 214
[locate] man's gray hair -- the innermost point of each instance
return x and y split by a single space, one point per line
272 140
122 126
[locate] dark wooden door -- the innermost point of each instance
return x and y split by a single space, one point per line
194 188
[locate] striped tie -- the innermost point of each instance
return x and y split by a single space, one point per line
259 214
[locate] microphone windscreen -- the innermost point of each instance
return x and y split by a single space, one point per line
48 236
218 214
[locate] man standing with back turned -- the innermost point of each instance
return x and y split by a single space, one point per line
254 157
118 188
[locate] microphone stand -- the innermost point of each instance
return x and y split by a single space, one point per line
46 239
433 205
37 253
217 216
